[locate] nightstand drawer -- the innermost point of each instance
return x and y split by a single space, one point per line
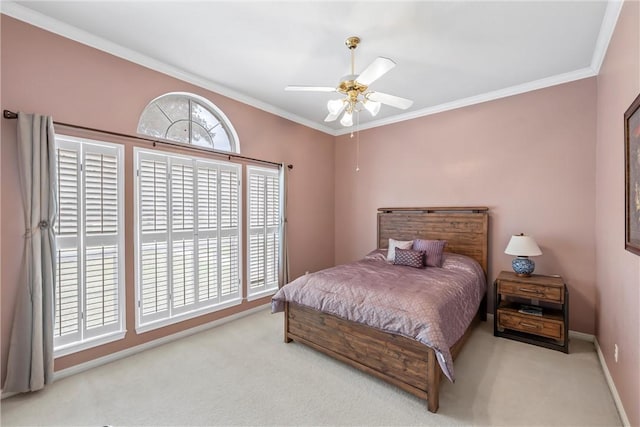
531 290
531 324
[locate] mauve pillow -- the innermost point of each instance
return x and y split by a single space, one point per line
432 250
409 258
393 244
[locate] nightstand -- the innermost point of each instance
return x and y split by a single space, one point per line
549 328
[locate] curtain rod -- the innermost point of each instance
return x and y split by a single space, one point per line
11 115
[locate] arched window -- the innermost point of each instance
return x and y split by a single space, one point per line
189 119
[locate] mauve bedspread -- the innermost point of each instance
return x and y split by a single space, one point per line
433 305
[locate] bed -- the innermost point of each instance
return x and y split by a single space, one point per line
398 357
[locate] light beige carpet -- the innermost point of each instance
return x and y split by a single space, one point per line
242 373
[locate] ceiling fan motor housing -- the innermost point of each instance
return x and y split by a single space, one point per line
348 85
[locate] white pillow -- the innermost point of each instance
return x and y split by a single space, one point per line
393 244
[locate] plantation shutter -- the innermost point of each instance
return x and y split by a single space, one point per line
68 291
189 235
183 286
208 239
88 282
263 200
101 205
229 232
153 205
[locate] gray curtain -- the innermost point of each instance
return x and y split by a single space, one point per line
30 363
284 247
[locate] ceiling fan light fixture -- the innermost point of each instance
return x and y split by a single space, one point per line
347 119
372 106
355 89
335 105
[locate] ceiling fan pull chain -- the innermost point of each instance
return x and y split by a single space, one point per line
357 142
358 153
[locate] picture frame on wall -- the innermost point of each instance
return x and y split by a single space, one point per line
632 177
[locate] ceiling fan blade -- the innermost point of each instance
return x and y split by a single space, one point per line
375 70
331 117
310 89
392 100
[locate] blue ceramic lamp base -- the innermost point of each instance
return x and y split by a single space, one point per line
523 266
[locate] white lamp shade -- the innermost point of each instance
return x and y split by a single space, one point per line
372 106
522 246
335 105
347 119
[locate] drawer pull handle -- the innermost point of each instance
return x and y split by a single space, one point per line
531 291
529 325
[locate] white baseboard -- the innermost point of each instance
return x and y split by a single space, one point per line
146 346
8 394
612 386
582 336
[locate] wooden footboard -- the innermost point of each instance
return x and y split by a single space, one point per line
401 361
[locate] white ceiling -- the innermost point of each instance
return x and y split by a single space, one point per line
448 54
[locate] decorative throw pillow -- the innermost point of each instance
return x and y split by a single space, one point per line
432 250
377 254
409 257
393 244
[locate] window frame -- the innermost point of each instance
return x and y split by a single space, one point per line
224 121
84 338
145 323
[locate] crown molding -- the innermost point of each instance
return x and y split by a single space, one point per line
47 23
478 99
609 21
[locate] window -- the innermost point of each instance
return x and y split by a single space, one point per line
89 285
189 119
188 254
264 231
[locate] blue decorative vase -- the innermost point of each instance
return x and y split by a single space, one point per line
523 266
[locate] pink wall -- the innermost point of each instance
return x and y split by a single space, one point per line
618 271
45 73
530 158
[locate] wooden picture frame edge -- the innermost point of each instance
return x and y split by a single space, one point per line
633 109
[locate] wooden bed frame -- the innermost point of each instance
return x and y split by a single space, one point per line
401 361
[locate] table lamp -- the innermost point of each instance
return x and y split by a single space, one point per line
523 247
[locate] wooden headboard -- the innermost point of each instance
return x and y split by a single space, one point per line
466 229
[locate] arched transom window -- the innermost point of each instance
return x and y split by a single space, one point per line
189 119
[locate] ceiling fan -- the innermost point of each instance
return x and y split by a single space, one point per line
355 87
